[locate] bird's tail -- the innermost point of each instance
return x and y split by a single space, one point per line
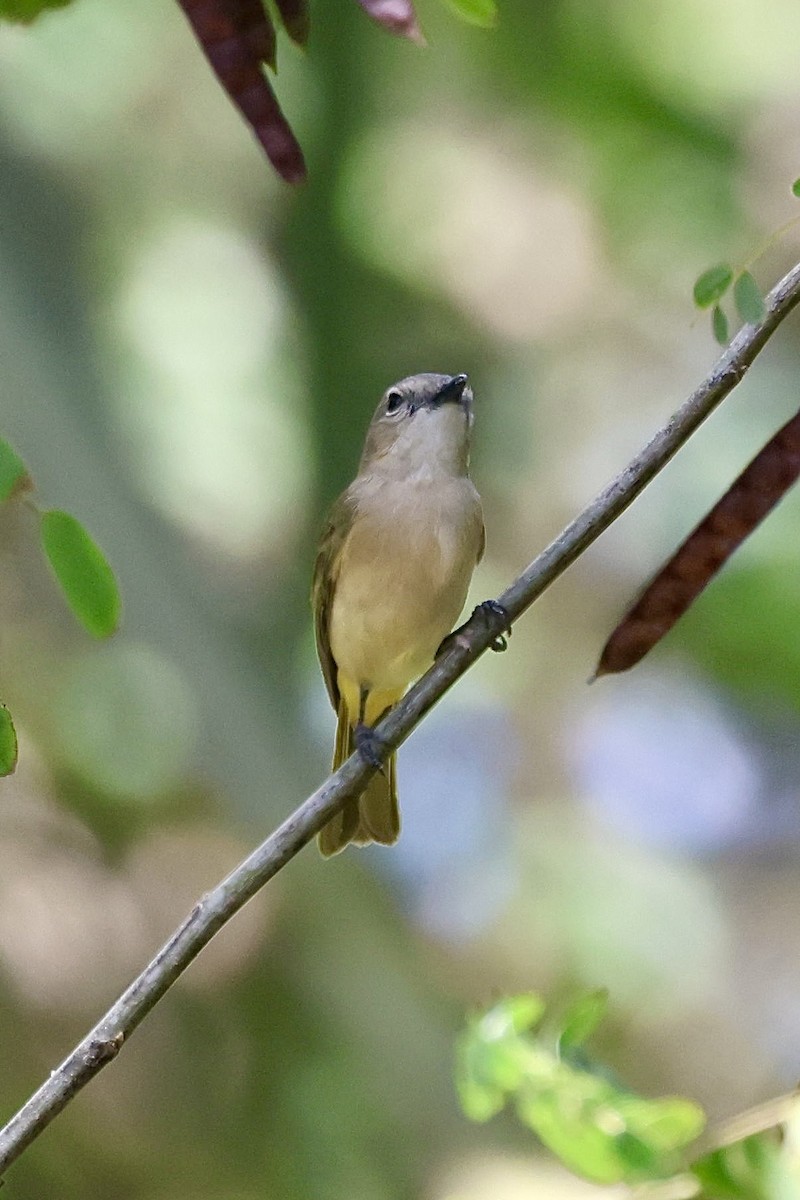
374 816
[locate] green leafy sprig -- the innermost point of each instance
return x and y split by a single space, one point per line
522 1054
716 282
81 570
595 1126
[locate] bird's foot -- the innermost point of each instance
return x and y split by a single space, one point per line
496 618
370 746
493 616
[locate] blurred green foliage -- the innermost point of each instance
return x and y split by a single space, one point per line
743 652
755 1168
518 1051
748 299
597 1128
27 10
714 283
8 742
719 325
13 474
476 12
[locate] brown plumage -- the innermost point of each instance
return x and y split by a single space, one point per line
380 798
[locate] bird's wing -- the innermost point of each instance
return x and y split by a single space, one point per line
326 573
482 543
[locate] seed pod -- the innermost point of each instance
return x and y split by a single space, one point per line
296 20
397 16
252 20
681 580
229 49
261 110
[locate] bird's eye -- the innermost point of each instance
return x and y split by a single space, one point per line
394 402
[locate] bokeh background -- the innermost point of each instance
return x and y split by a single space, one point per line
189 354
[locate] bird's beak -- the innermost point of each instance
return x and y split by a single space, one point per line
450 392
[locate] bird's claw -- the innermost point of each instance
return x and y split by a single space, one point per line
370 746
495 616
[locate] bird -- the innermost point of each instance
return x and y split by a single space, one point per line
393 567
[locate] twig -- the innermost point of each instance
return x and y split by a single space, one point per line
760 1119
103 1043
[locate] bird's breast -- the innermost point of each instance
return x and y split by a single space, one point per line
403 578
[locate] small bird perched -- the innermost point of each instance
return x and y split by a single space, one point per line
391 577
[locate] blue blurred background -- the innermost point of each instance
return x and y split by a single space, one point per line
190 353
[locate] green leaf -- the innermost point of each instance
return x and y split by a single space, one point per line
8 742
510 1016
492 1057
476 12
748 299
576 1129
606 1134
27 10
714 1174
86 579
13 472
719 326
480 1099
486 1072
582 1017
520 1012
597 1128
712 284
755 1168
796 187
666 1125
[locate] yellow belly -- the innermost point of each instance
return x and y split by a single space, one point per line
400 589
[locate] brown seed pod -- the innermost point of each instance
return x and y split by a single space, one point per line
229 48
681 580
252 20
397 16
296 20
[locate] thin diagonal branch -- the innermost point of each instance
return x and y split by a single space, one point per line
103 1043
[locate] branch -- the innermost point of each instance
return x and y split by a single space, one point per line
103 1043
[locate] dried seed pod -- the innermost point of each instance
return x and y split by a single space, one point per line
260 108
681 580
253 21
397 16
296 20
237 65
